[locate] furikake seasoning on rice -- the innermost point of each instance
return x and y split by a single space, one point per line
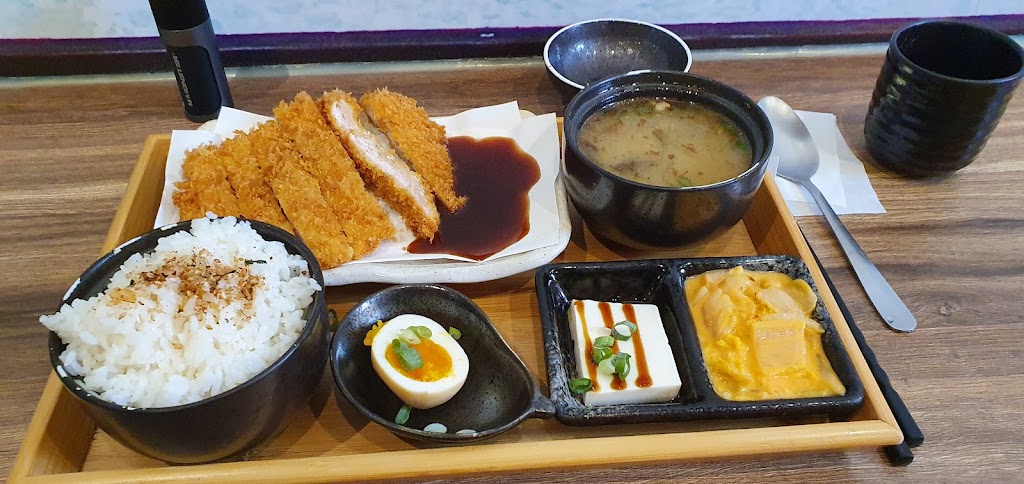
202 313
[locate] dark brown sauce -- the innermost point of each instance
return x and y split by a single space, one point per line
609 322
591 366
643 378
496 175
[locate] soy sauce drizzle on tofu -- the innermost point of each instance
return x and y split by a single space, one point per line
643 377
591 366
609 322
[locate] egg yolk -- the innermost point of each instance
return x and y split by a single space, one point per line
437 363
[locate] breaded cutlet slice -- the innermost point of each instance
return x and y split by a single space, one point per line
184 198
299 195
388 175
256 199
363 220
417 139
206 185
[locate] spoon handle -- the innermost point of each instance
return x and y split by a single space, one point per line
889 305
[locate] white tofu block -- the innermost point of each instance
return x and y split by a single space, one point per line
587 322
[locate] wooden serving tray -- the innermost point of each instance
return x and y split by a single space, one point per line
334 442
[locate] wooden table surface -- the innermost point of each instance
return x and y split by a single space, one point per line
950 247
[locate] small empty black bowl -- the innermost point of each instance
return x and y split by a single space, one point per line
499 392
588 51
223 425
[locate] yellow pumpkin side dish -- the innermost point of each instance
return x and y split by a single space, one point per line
757 337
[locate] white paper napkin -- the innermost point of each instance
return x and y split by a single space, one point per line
840 176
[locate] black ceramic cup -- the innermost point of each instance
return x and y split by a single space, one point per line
226 424
645 216
942 89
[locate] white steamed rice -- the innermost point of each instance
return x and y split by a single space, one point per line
167 348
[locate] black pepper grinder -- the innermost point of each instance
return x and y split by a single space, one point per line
187 32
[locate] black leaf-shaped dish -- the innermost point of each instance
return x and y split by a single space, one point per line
660 282
499 392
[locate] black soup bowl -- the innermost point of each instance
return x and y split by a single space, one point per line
223 425
645 216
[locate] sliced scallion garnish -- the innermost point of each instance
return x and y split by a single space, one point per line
455 333
600 354
408 357
606 367
437 428
422 331
604 342
580 386
403 415
621 364
618 334
408 335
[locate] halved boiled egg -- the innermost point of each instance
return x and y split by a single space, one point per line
423 371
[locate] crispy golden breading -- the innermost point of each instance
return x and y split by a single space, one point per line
364 222
312 169
299 195
207 186
416 138
185 199
255 197
385 172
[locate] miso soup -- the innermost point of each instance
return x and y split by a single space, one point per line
665 142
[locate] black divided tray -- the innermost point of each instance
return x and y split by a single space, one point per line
660 282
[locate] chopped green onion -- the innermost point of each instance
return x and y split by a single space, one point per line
684 181
580 386
604 342
621 363
250 262
409 336
408 357
619 335
403 415
422 331
600 354
606 367
332 317
455 334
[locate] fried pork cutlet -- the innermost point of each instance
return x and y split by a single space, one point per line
417 139
184 198
364 222
256 199
388 175
299 195
206 187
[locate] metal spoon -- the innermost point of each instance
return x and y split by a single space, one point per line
798 161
